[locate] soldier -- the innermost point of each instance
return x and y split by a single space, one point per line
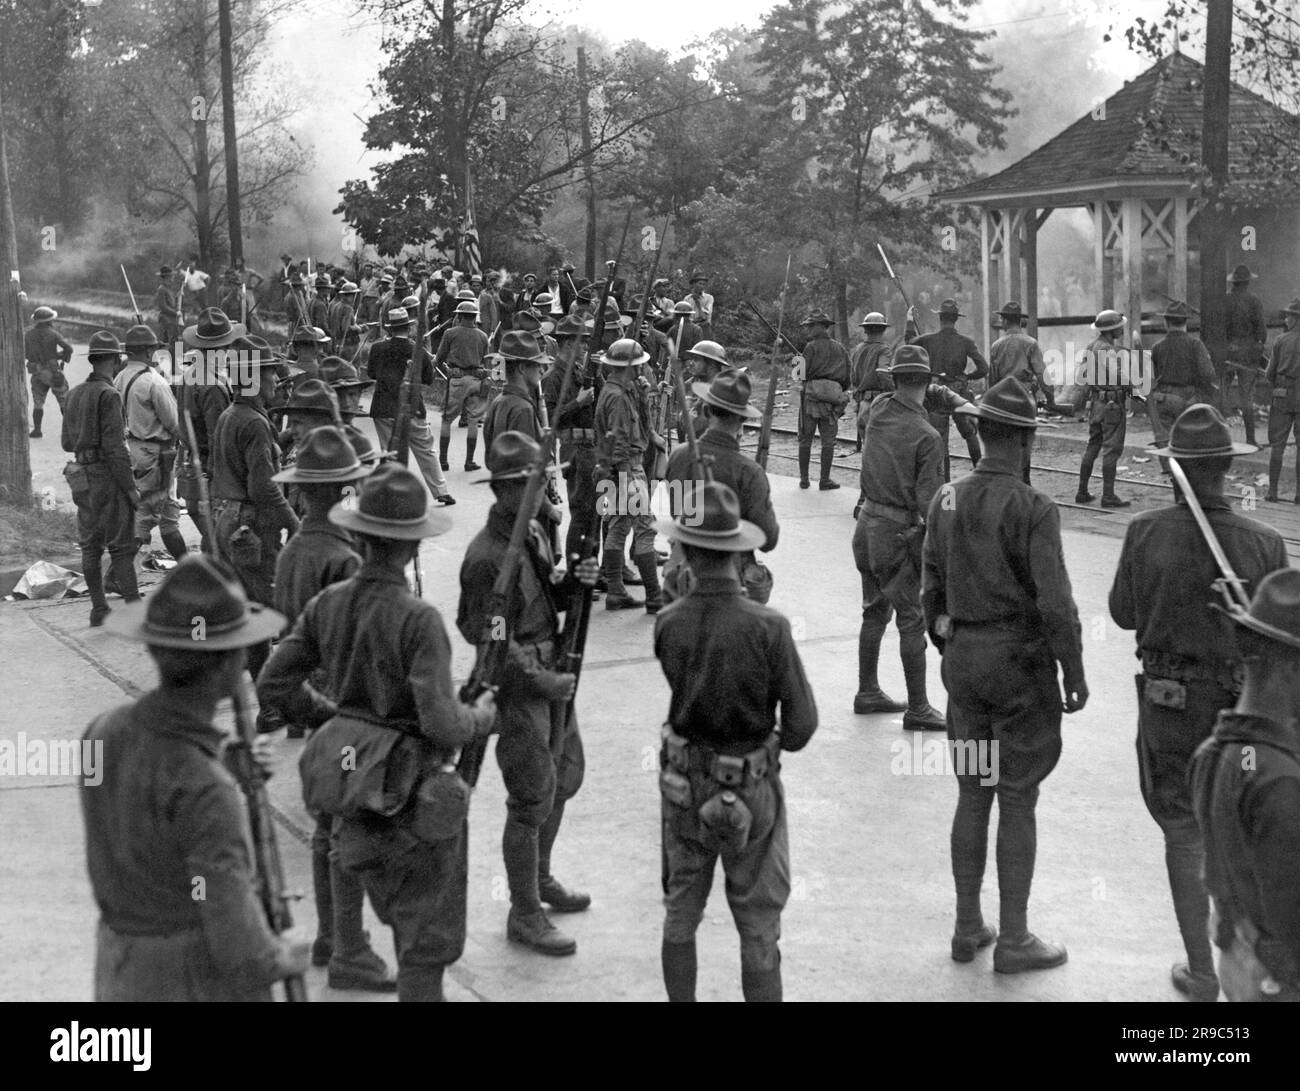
309 348
312 405
295 304
866 362
621 440
1283 375
319 555
348 385
1017 355
720 766
387 661
167 303
46 351
950 354
822 400
368 307
516 409
575 427
389 362
1105 380
902 469
725 407
679 323
997 603
249 510
167 812
702 304
461 353
540 750
707 360
1246 792
153 432
1191 663
489 304
1182 374
318 309
1245 334
104 490
341 312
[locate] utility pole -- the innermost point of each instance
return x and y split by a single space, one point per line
584 120
1211 218
15 457
234 220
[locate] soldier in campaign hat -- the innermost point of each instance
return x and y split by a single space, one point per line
720 763
460 354
103 487
386 661
310 345
46 352
539 751
1104 379
1182 374
902 469
822 398
1003 634
517 408
166 301
1191 660
1283 376
951 354
167 811
575 428
1246 793
1245 333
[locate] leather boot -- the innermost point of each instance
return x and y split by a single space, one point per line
535 930
549 889
123 569
1248 419
471 445
444 445
421 985
1108 497
828 460
631 577
965 944
38 415
920 716
175 543
321 884
94 577
648 566
805 457
680 971
1028 953
1083 496
616 597
760 975
870 697
1201 988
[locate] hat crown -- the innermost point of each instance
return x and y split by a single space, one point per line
1108 320
398 316
949 306
140 337
731 388
911 359
572 326
103 343
709 350
1177 309
521 345
1277 603
467 306
198 598
213 322
818 317
1241 274
335 369
393 494
875 318
512 452
1013 398
717 511
1012 306
313 396
684 306
624 350
1200 430
327 449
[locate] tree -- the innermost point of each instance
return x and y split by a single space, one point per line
877 102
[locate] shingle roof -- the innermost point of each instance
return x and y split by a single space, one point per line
1119 147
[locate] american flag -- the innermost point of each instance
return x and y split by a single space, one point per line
473 258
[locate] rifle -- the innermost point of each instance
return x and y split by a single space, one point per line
1229 584
407 399
139 318
772 329
266 850
649 284
611 270
892 276
769 407
201 482
490 664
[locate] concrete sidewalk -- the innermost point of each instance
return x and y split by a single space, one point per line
871 912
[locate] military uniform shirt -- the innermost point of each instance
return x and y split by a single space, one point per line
43 345
949 351
617 411
164 300
1244 327
902 456
867 363
735 469
463 347
386 655
731 662
1179 359
1017 355
166 814
825 359
245 455
1166 600
513 410
1284 361
92 421
151 407
205 393
319 555
570 414
993 554
387 365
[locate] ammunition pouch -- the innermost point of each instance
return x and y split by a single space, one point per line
755 577
729 771
1162 666
246 547
78 481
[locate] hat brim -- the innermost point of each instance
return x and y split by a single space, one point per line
747 536
951 314
541 361
988 412
261 624
874 325
1115 326
1168 451
703 392
644 358
1293 311
46 318
433 524
350 384
293 475
191 338
1248 621
516 475
907 369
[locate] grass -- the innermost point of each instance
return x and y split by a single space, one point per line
32 534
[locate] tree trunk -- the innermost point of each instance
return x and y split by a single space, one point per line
202 162
584 120
457 150
1214 156
234 220
15 458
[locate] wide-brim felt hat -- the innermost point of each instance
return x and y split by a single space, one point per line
909 360
365 449
1176 308
397 319
1201 432
141 337
391 504
730 390
512 457
1275 609
713 521
338 374
818 318
308 335
213 330
1011 309
523 347
198 607
572 326
165 271
103 343
1293 307
948 308
1007 402
1242 275
312 396
324 457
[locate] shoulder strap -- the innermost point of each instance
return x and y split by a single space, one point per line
127 392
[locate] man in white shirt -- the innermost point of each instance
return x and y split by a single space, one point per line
703 303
